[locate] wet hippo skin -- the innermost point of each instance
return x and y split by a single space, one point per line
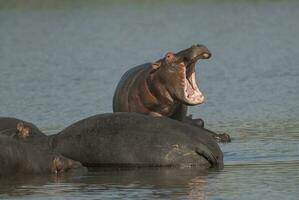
114 139
19 158
164 88
132 139
9 127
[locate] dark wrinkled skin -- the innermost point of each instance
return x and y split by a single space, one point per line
30 155
115 139
8 128
20 158
131 139
156 88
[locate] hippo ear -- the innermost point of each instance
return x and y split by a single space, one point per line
20 126
156 65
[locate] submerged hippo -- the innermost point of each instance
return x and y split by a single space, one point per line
131 139
23 158
24 149
164 88
17 128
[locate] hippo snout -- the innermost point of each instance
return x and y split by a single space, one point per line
193 54
201 51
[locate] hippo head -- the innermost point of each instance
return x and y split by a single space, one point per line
62 164
177 73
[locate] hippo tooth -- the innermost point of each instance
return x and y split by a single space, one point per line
206 55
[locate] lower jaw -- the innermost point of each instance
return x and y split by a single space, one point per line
190 102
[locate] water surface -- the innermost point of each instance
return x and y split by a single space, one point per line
61 60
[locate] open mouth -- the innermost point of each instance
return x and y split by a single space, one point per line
192 94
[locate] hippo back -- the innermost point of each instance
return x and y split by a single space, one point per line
8 127
136 139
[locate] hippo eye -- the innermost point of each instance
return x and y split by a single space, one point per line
169 57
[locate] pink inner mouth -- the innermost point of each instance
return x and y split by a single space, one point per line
191 92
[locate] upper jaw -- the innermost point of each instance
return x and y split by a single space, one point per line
190 93
194 53
191 61
201 51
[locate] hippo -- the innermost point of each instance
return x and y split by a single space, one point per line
17 128
164 88
18 157
25 150
134 139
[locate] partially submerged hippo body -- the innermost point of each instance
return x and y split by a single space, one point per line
114 139
9 127
131 139
18 157
164 88
30 153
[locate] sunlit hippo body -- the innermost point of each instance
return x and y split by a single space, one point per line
131 139
164 88
19 157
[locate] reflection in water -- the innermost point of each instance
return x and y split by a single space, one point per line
196 188
113 183
272 180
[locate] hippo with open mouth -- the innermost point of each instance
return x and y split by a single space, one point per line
164 88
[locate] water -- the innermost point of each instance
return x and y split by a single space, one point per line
61 60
